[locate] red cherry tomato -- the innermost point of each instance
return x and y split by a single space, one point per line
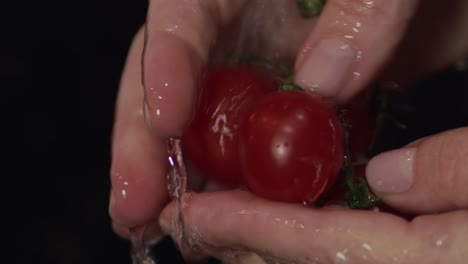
291 147
210 142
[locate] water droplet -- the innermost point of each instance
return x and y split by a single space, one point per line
341 255
177 182
356 75
440 241
140 247
359 55
369 3
367 246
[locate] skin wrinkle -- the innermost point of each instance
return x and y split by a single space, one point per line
451 158
269 257
447 154
445 159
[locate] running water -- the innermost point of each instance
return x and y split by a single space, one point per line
140 247
258 24
176 184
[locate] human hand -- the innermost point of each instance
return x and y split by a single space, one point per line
238 227
138 155
179 41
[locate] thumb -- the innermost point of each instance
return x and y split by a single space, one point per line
427 176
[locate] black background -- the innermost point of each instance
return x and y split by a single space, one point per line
63 68
65 62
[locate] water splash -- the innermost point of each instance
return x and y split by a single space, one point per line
140 247
177 186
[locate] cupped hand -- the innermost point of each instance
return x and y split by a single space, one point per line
428 176
237 227
352 42
157 97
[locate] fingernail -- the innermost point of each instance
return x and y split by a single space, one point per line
327 67
391 172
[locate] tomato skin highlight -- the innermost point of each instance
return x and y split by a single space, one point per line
210 141
291 147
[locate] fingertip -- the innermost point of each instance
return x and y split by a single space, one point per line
350 44
137 195
138 175
327 67
391 172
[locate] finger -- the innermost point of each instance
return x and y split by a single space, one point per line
285 233
179 35
350 44
138 158
430 175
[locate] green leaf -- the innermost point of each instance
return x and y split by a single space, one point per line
358 195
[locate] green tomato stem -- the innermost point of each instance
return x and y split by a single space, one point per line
310 8
286 81
358 195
